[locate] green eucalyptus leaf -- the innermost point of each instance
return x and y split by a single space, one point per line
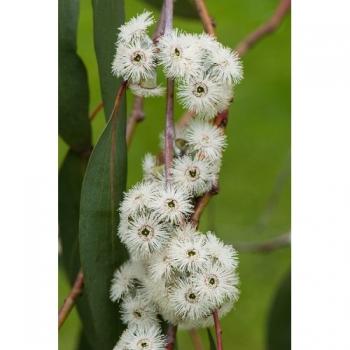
108 17
211 340
73 91
279 320
83 342
70 180
182 8
100 250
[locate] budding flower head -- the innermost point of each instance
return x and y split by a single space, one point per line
172 204
145 235
206 139
124 279
225 65
188 253
138 311
187 301
217 283
179 55
204 96
223 254
135 28
141 338
137 199
195 175
148 87
134 61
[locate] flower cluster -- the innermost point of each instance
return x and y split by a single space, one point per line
175 273
205 70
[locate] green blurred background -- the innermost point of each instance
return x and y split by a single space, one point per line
255 198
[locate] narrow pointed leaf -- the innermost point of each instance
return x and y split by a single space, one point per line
70 180
108 17
73 122
100 250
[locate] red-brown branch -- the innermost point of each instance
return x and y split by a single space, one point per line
204 16
96 110
169 117
218 330
171 337
71 299
137 115
196 339
268 27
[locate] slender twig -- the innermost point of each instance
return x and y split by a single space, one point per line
185 119
169 129
218 331
171 337
202 202
169 118
137 115
71 298
196 339
204 16
96 110
268 27
161 25
275 243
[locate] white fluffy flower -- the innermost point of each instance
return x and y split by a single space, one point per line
207 42
188 254
134 61
179 55
204 96
217 284
221 253
172 204
160 267
195 175
125 278
148 164
225 65
206 139
137 199
141 91
186 231
187 301
135 28
141 338
145 235
138 311
148 87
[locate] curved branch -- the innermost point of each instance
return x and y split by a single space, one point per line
265 247
96 110
204 16
218 330
171 337
137 115
268 27
71 299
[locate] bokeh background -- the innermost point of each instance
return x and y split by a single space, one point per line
255 198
